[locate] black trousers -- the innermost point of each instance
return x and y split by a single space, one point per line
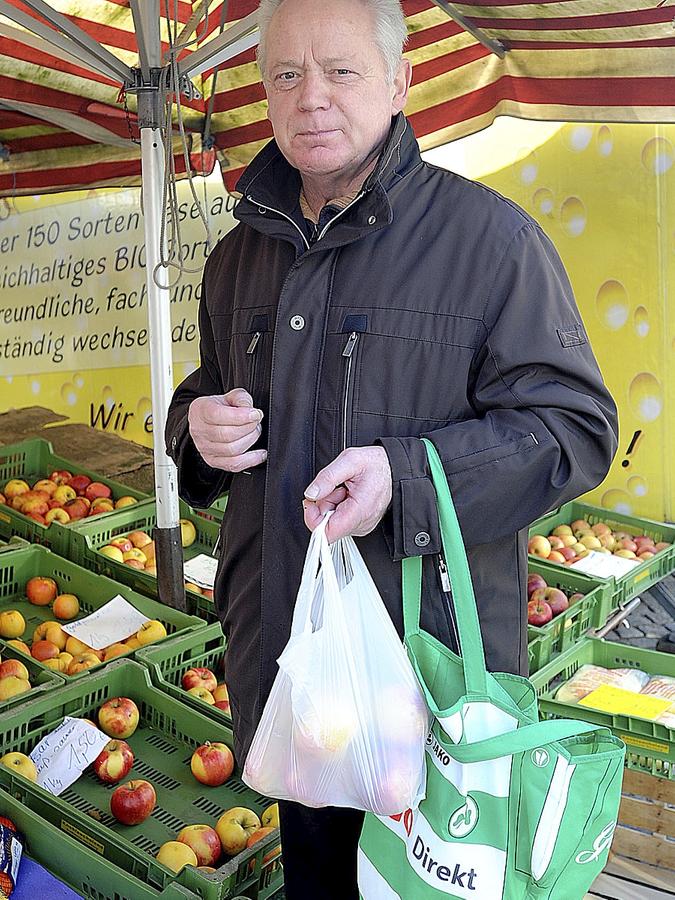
319 851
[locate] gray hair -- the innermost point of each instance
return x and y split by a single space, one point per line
391 32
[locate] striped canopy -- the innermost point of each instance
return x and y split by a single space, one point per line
64 124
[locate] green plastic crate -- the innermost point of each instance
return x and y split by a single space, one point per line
167 664
640 577
567 628
167 735
93 591
214 512
35 459
83 869
650 746
14 543
41 677
87 537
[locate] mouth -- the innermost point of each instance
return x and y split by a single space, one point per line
315 135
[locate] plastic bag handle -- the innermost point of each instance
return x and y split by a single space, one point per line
466 615
302 613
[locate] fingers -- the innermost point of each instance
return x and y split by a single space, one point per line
314 512
345 467
215 411
238 397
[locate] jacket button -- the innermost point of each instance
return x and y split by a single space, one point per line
422 538
372 220
297 323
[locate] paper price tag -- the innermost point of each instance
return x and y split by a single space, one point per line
113 622
611 699
605 565
201 570
62 756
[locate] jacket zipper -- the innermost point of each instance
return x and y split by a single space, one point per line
447 589
284 216
338 215
252 353
348 353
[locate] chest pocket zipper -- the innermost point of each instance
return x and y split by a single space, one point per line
354 326
447 590
259 327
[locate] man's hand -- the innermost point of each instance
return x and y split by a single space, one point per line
223 428
357 485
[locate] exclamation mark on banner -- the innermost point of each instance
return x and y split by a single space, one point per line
636 434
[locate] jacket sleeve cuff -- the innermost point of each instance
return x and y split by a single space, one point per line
411 524
204 484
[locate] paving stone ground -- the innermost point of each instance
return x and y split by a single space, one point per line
653 619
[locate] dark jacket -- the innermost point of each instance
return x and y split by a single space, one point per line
431 306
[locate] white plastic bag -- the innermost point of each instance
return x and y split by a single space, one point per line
346 722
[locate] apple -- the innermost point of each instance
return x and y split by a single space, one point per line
199 677
45 485
42 650
577 596
114 762
11 686
118 717
82 661
189 586
40 590
121 502
590 541
202 694
21 646
556 556
60 476
140 539
626 544
134 554
149 550
203 841
12 623
580 525
188 532
112 552
150 631
208 592
60 663
77 508
175 855
66 606
555 542
76 646
625 554
646 554
16 486
212 763
13 667
3 500
57 514
151 568
122 542
568 540
235 827
539 546
608 541
133 802
36 517
20 763
562 530
56 635
115 650
96 489
260 833
35 503
557 600
64 493
600 528
133 642
270 816
567 553
134 564
79 483
222 698
538 612
661 545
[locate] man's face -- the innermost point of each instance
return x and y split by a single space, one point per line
330 102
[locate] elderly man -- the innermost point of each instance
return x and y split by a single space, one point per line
364 300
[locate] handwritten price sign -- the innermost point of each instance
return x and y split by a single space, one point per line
62 756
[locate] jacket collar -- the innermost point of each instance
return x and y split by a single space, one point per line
271 185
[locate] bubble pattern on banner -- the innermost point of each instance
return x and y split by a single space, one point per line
641 321
637 485
604 141
646 396
658 156
611 303
617 500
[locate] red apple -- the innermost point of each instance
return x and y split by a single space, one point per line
41 590
97 489
538 613
557 600
203 841
556 556
199 677
118 717
577 596
60 476
13 667
555 542
627 544
661 545
77 508
79 483
533 582
568 553
212 764
133 802
114 762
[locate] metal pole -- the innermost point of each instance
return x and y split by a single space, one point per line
167 534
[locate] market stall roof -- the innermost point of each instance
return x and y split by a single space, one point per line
64 123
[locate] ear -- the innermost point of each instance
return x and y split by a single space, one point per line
401 86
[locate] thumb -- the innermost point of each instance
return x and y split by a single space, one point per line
238 397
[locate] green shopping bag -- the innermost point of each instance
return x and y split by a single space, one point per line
515 808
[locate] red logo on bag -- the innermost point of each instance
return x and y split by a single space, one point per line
407 817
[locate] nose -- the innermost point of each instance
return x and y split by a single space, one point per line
314 92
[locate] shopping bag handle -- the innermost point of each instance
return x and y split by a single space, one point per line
527 737
466 615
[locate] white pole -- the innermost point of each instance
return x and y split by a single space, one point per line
161 370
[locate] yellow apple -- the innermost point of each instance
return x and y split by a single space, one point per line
12 623
188 532
235 827
11 686
175 855
112 552
19 762
271 816
150 631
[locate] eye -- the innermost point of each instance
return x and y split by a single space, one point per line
286 77
343 72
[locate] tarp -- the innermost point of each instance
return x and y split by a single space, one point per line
64 126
